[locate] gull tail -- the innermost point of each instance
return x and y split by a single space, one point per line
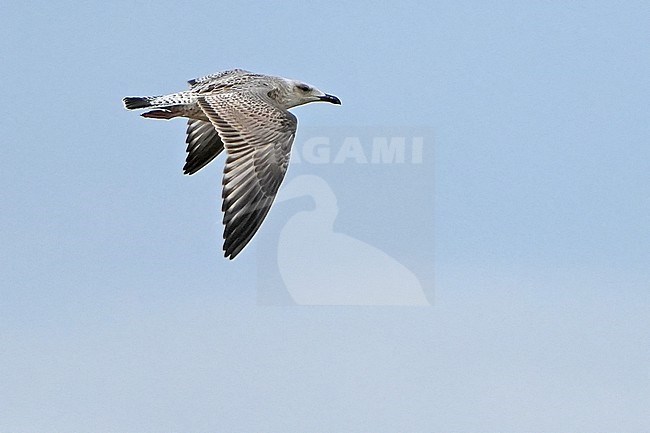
135 102
167 106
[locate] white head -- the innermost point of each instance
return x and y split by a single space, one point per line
293 93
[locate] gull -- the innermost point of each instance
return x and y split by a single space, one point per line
247 115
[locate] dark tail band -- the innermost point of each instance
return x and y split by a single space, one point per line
133 103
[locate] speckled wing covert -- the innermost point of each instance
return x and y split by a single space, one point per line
258 137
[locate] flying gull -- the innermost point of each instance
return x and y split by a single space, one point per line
247 114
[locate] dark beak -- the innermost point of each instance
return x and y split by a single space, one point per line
330 98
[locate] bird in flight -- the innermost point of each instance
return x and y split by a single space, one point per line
246 114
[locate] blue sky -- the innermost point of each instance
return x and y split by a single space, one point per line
118 313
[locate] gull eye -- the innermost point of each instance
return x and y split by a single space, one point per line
303 87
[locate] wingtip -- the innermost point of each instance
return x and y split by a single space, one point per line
232 249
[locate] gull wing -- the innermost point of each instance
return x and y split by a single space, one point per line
203 145
258 137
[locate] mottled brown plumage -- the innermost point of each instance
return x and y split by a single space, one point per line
247 114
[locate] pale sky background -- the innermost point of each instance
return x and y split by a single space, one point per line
118 313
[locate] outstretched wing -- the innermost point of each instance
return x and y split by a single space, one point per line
203 145
258 138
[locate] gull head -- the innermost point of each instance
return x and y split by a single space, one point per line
296 93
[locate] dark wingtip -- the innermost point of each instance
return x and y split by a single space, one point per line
189 170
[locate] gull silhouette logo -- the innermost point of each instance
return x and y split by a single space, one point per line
322 267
